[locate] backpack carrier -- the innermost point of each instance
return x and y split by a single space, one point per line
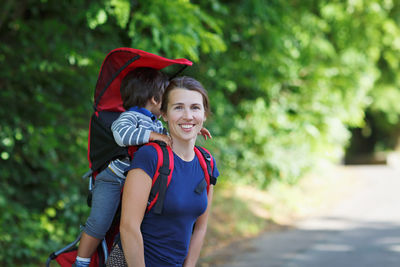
102 148
160 182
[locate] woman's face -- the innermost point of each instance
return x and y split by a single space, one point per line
185 114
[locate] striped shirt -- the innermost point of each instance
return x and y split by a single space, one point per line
132 128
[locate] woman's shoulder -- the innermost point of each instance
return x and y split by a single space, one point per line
205 154
147 150
145 158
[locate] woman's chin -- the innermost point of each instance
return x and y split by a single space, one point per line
185 137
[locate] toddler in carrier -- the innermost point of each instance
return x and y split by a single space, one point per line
141 93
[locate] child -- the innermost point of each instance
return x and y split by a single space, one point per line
141 93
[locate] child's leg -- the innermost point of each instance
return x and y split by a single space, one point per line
87 245
105 201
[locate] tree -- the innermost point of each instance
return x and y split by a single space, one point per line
286 79
51 53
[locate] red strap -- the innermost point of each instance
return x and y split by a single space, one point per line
160 160
171 163
203 165
212 161
132 150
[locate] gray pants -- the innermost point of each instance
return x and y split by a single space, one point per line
105 202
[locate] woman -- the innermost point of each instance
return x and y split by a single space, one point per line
175 237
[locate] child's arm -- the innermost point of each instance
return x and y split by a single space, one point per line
205 133
161 137
128 132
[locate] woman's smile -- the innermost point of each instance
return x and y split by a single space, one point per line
187 127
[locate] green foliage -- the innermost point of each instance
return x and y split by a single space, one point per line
175 28
286 79
46 71
295 75
51 52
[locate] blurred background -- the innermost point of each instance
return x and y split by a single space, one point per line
293 85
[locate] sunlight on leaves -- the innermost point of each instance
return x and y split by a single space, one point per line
96 19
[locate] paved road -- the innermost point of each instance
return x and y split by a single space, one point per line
361 231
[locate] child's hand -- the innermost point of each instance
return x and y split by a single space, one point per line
161 137
205 133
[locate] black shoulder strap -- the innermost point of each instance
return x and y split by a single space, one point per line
208 159
159 187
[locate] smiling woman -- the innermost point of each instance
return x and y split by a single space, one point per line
174 237
185 108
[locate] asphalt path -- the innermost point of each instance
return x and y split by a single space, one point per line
362 230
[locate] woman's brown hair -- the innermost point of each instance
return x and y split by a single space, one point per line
187 83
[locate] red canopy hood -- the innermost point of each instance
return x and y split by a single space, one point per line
116 65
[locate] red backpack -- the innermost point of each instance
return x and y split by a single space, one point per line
160 182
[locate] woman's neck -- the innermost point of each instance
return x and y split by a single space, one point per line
184 149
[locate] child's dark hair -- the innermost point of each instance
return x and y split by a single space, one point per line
141 85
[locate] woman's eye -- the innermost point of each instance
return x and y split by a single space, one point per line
178 107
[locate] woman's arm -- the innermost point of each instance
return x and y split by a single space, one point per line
199 232
134 201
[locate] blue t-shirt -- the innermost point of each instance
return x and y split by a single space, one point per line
166 237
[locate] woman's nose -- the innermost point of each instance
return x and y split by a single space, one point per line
187 114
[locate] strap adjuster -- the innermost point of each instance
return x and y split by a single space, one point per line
164 171
213 180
